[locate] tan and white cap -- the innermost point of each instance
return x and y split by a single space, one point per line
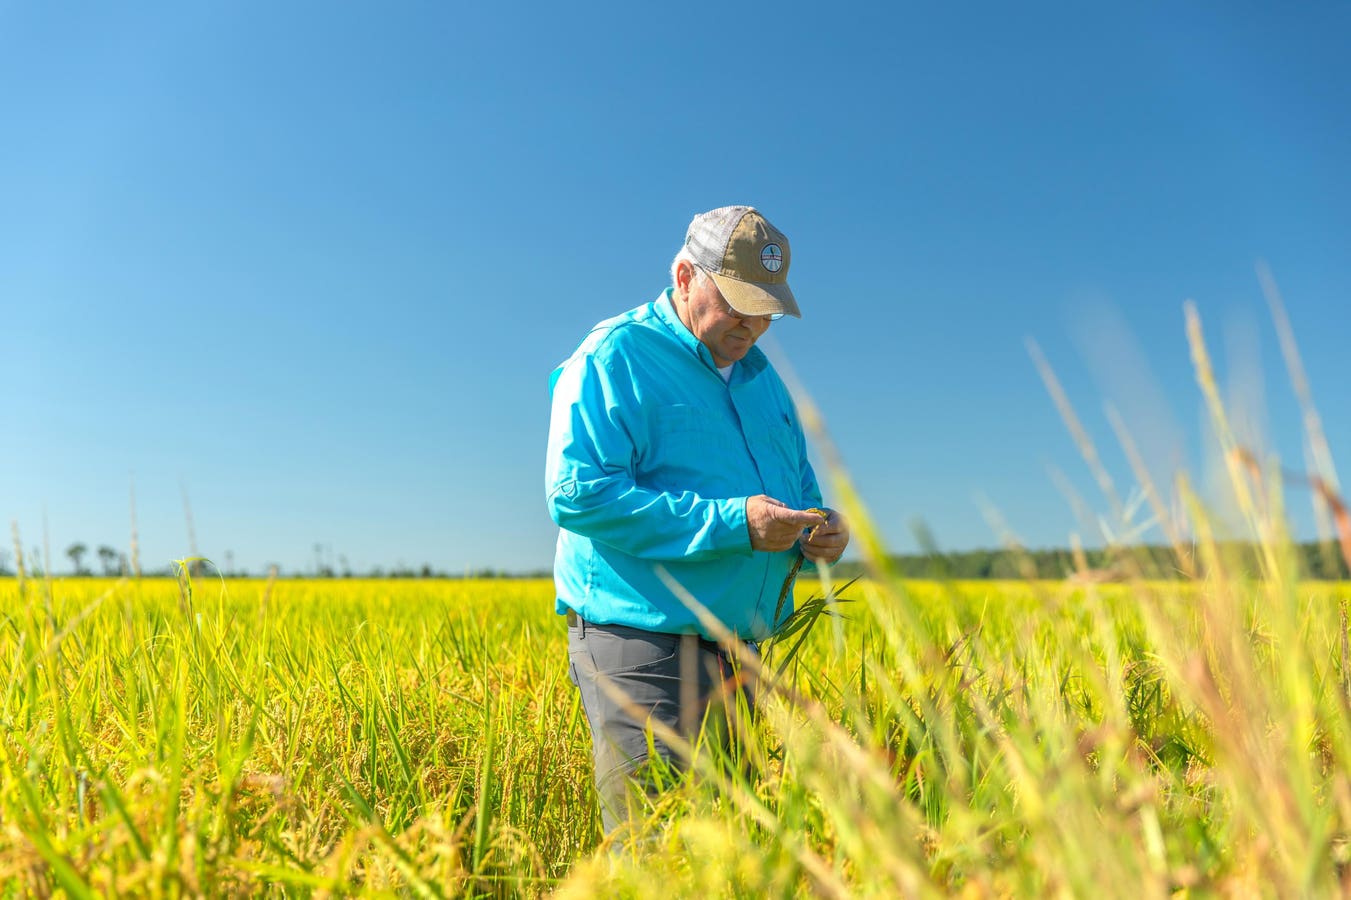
747 258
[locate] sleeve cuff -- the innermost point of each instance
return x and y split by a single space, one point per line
733 514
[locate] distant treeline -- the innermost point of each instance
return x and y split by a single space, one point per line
199 569
1314 561
114 564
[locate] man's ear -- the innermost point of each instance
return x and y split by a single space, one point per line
684 275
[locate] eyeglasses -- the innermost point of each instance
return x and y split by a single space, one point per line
732 311
727 308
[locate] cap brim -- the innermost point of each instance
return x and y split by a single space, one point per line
757 299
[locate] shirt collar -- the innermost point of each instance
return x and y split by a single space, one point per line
664 307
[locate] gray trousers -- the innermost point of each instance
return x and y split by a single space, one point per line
685 683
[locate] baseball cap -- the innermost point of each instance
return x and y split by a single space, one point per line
746 257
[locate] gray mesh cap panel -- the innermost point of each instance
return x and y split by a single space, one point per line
709 234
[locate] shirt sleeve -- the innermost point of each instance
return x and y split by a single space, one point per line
590 486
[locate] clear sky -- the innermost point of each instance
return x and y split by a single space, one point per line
313 263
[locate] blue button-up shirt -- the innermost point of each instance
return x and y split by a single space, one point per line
651 458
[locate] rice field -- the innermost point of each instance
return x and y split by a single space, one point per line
172 738
1186 731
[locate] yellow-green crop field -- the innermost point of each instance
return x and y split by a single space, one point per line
422 738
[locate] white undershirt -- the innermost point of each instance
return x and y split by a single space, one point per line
726 372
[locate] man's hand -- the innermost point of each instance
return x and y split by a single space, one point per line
827 541
776 526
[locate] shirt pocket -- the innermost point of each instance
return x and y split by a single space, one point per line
693 448
775 440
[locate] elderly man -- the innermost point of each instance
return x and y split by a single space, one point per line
674 444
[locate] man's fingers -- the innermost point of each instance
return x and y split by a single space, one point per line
803 518
830 545
825 531
775 526
822 554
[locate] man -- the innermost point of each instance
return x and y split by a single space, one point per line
674 445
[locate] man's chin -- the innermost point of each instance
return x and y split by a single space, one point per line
733 351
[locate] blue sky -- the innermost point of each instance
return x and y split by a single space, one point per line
314 262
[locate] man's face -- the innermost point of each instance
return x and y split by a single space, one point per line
727 335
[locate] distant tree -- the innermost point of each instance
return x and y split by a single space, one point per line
1323 560
4 562
982 563
107 559
76 552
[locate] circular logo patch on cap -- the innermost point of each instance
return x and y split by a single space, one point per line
771 257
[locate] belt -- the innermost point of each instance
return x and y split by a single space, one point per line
574 620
